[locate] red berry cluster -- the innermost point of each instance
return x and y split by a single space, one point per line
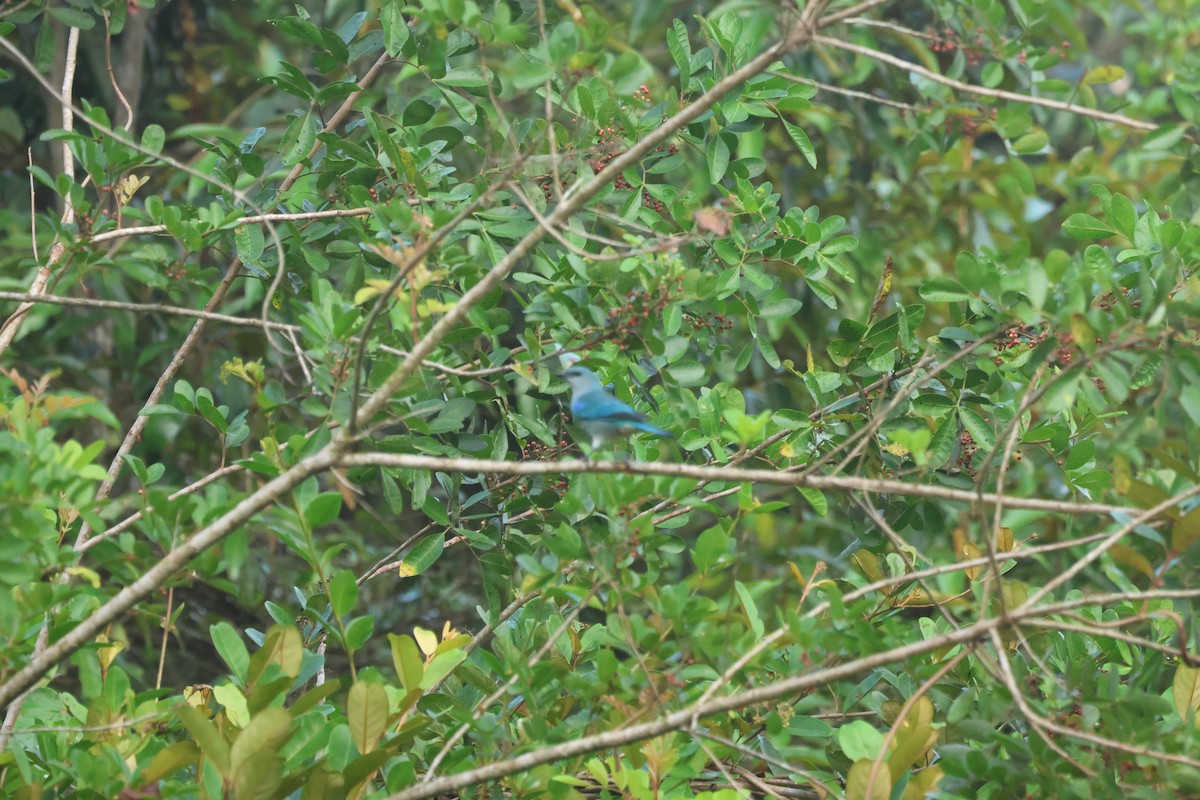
967 448
600 162
536 451
949 42
610 134
387 191
338 364
967 122
546 184
506 488
980 44
380 190
650 201
1109 299
1066 349
717 323
642 94
625 320
1018 339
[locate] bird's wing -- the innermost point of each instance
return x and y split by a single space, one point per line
601 406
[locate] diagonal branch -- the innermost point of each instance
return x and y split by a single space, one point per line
681 720
1016 97
573 201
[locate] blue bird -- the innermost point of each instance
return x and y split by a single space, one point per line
601 415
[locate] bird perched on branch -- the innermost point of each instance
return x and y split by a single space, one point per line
601 415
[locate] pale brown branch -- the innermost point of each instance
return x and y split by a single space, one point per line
11 326
711 474
486 632
298 216
227 319
1045 102
789 686
1104 632
847 13
826 87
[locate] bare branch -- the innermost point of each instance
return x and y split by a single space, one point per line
1057 105
710 474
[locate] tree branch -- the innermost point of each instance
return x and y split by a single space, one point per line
797 684
1058 105
713 474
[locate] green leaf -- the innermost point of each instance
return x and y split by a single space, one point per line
681 51
211 743
816 499
343 591
1185 692
943 290
441 666
299 138
710 547
422 557
1186 531
801 140
756 623
1080 455
395 28
1032 142
367 714
231 648
254 760
406 658
250 243
359 631
71 17
1122 216
322 509
859 784
153 138
859 740
1085 226
718 159
283 647
992 75
168 761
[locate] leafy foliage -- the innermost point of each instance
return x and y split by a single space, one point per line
914 288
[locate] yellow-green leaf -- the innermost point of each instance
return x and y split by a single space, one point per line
367 714
860 786
1185 690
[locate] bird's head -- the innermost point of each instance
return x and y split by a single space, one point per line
581 379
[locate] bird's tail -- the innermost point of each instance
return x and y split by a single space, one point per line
657 431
